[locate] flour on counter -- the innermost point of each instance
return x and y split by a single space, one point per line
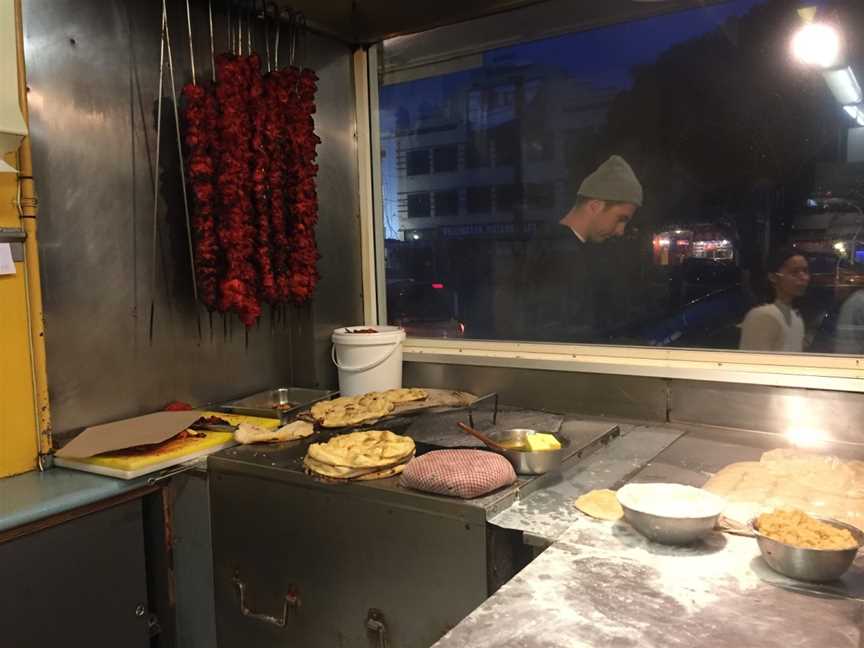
693 576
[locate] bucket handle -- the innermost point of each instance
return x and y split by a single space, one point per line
365 367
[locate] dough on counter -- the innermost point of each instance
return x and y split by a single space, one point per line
789 478
601 504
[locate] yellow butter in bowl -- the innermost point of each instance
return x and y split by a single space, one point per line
541 441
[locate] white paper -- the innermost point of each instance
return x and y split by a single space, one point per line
7 266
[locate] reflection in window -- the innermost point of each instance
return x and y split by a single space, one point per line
507 197
479 200
417 162
540 195
446 203
477 152
739 149
419 205
445 158
540 147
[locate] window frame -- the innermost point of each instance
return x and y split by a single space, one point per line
813 371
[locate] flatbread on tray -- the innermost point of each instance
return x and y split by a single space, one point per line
374 454
370 449
351 410
404 395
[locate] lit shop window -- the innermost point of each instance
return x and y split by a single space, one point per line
725 145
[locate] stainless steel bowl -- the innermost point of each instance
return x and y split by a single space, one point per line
531 463
667 529
815 565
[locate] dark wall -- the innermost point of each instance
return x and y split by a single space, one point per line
92 70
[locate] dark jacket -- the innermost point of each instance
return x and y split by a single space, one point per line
556 288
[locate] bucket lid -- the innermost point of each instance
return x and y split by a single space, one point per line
360 335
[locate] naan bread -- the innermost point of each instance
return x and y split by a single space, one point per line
405 395
371 449
359 474
247 433
601 504
351 410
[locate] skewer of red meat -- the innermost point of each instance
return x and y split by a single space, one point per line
238 289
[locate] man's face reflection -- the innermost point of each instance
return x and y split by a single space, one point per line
611 220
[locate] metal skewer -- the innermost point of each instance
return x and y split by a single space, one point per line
182 172
212 53
191 49
156 174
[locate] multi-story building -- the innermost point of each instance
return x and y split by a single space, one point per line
491 155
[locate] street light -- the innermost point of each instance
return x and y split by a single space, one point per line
817 44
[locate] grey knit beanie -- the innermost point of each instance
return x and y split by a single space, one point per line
615 181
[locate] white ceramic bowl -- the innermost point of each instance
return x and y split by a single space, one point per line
670 513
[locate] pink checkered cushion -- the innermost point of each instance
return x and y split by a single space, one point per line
460 473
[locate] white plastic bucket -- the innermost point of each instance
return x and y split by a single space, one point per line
368 361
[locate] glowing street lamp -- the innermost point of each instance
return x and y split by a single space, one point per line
817 44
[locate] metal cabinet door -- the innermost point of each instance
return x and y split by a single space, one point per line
337 557
80 583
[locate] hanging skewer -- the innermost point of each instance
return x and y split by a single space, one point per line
278 15
266 33
156 174
212 53
182 169
191 49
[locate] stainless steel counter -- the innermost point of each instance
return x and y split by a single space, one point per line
283 462
601 584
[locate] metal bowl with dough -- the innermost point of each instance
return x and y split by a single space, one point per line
800 563
671 514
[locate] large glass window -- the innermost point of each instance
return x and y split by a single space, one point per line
748 148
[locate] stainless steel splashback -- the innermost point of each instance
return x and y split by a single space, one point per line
92 71
807 414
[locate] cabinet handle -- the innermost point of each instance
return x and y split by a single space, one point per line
289 606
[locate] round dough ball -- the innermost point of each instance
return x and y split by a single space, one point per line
601 504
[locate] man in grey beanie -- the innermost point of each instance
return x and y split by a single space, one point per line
607 200
559 288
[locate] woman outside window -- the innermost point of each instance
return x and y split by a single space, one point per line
778 326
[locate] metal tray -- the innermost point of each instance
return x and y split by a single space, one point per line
279 403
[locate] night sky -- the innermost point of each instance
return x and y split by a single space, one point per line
605 56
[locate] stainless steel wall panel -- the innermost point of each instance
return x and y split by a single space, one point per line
630 397
92 73
836 415
341 555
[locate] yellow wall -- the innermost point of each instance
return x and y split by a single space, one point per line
18 434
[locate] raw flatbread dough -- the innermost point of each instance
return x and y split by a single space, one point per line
351 410
601 504
788 478
370 449
247 433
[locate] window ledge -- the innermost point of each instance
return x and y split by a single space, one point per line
838 373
